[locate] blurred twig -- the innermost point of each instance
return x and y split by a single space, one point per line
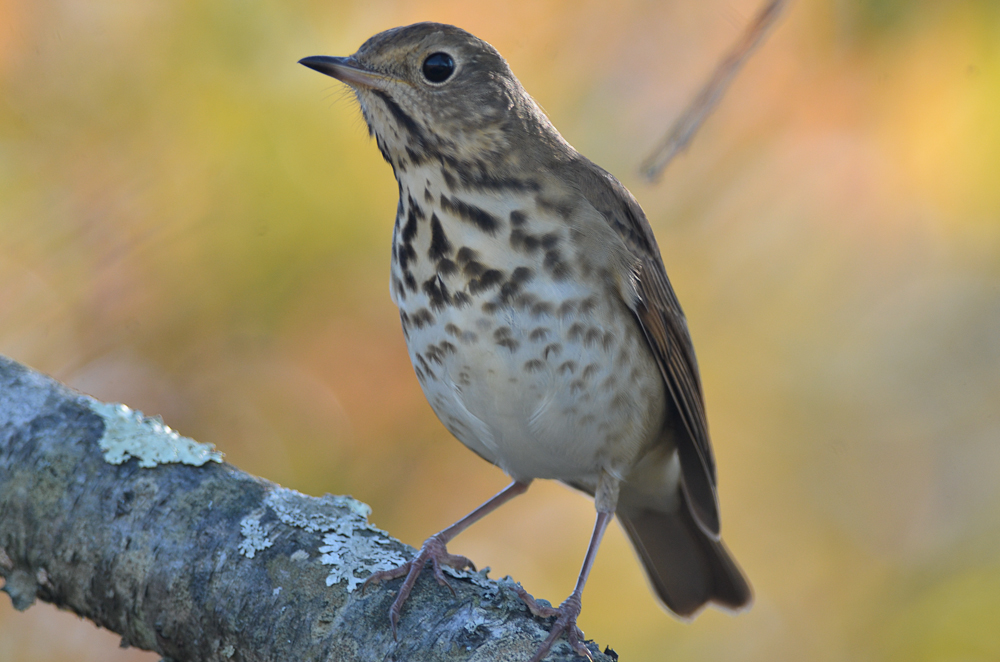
701 106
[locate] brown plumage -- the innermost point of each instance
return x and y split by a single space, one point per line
538 315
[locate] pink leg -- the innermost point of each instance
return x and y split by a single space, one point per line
569 610
435 550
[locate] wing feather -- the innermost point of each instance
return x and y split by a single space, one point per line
659 314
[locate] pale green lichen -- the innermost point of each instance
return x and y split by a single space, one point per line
128 433
317 515
352 547
348 554
254 537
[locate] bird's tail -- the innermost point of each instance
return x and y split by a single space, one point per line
686 567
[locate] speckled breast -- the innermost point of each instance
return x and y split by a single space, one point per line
533 367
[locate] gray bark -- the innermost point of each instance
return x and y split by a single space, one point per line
103 512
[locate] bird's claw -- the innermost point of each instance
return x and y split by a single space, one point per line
385 575
433 550
566 615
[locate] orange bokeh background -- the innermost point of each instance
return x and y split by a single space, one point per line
193 224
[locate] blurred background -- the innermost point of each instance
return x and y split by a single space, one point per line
195 225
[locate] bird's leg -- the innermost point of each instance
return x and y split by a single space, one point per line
569 610
435 550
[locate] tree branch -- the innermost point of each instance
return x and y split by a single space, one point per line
117 518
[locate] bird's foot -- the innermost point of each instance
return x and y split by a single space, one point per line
566 615
433 550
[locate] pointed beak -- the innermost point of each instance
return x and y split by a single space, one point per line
347 70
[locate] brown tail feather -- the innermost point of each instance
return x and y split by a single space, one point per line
686 567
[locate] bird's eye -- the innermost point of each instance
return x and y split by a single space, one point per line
438 67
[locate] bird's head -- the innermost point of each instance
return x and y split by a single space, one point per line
430 91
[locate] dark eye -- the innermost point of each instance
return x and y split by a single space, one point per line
438 67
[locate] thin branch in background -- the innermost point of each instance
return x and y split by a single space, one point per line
701 106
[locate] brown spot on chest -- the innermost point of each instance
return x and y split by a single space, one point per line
524 241
486 280
502 337
475 216
437 292
554 264
422 318
440 246
466 255
446 267
538 334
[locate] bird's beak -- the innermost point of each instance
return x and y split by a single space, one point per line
347 70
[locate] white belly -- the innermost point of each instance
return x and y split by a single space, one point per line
550 394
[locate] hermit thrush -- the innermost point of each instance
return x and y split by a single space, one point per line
538 315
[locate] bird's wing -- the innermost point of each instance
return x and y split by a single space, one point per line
659 314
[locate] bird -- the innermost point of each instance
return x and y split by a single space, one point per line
539 318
